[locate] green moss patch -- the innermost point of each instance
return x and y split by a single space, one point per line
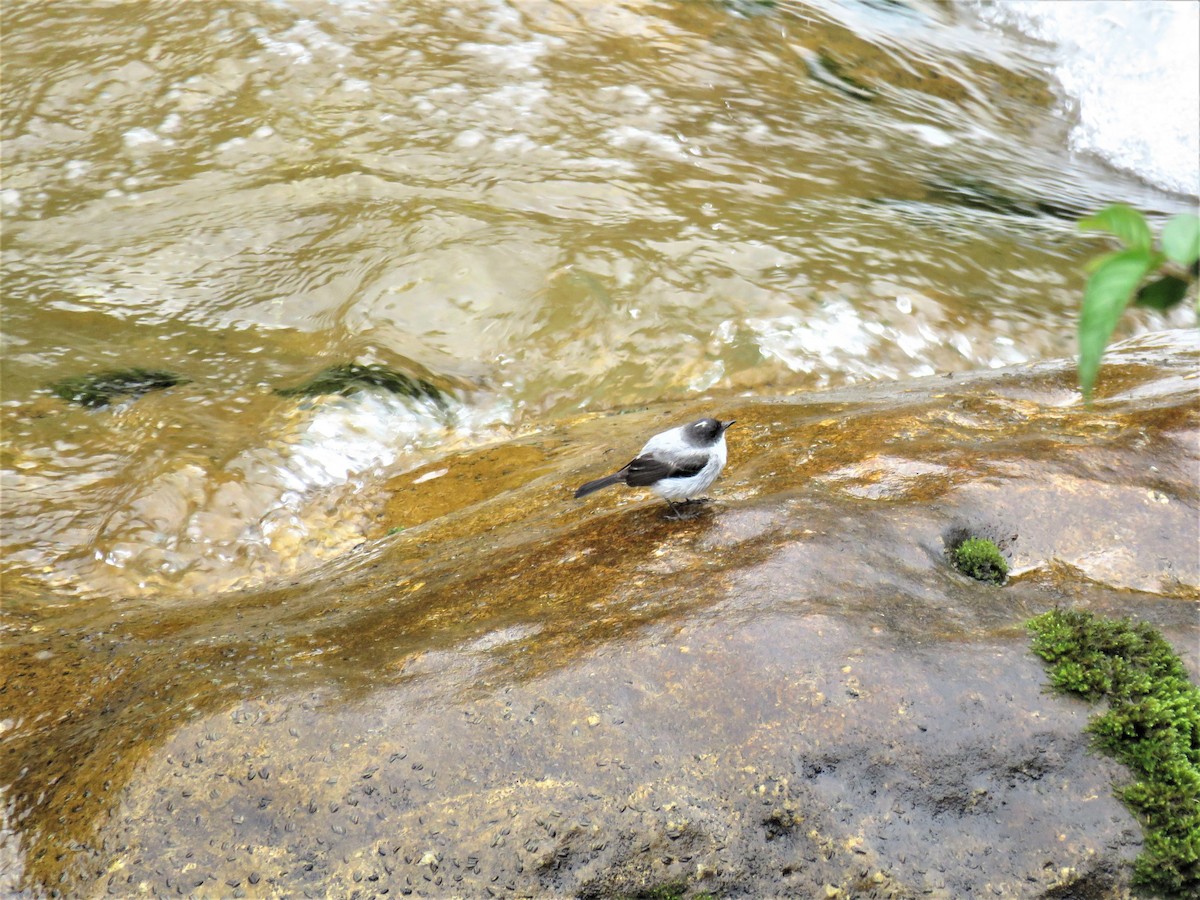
674 890
102 388
350 378
980 559
1152 725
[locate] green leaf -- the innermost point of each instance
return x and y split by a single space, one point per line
1091 265
1162 294
1108 292
1181 239
1124 221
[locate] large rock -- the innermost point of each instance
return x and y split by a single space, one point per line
526 695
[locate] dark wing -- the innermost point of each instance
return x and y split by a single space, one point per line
645 470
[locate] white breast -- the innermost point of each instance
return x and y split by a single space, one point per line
679 489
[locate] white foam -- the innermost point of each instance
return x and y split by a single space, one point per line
522 98
514 143
813 343
429 476
1133 72
630 136
468 139
515 56
138 137
301 42
291 502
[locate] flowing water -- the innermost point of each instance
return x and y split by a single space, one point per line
548 208
545 209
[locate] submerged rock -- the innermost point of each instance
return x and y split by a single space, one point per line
791 693
825 68
102 388
349 378
974 193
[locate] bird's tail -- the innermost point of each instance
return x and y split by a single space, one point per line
615 478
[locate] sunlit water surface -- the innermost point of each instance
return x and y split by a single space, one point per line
546 208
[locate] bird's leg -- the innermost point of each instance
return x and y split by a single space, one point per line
682 511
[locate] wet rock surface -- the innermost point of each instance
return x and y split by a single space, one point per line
727 754
524 695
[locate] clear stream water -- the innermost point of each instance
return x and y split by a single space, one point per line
550 209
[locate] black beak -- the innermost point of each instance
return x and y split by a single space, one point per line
725 425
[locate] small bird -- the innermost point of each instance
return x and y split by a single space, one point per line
678 464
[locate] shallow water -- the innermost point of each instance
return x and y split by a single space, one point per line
551 208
